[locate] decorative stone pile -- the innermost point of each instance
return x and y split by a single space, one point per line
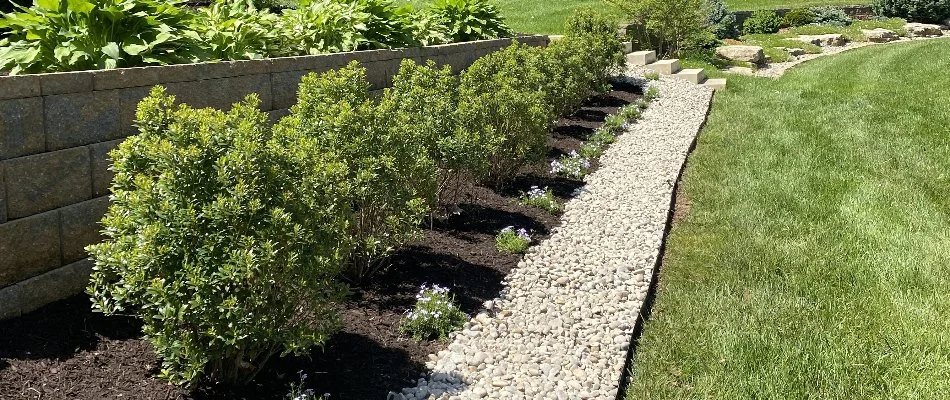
561 327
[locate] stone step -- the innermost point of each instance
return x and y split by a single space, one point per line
666 67
641 57
627 47
715 84
694 75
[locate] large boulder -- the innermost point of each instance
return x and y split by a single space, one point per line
879 35
831 39
752 54
916 29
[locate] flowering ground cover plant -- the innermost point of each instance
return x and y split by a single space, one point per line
541 198
512 241
434 315
572 165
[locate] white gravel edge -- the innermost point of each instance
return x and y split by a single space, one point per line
561 327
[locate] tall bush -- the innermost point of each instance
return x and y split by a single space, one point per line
500 99
386 161
929 11
74 35
668 26
719 21
223 237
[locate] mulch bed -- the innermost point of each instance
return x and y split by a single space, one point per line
65 351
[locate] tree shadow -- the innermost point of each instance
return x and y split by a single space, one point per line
562 187
475 219
576 131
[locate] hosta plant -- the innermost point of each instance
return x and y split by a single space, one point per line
541 198
236 30
73 35
223 237
572 165
385 157
468 20
434 315
321 26
512 241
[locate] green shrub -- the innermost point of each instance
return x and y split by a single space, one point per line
596 36
798 17
223 237
387 164
541 198
719 21
73 35
929 11
434 315
668 26
831 16
512 241
762 21
468 20
236 30
501 103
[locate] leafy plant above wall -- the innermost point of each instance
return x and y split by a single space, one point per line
466 20
236 29
70 35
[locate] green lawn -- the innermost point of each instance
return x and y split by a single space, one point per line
772 4
814 259
547 17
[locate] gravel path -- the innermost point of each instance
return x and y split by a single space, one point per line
561 327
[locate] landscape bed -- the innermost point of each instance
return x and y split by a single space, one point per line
66 351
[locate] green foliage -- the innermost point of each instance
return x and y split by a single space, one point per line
501 103
573 165
512 241
385 25
223 237
467 20
235 30
651 76
762 21
73 35
928 11
594 37
669 26
320 26
651 94
386 160
541 198
434 315
719 21
831 16
798 17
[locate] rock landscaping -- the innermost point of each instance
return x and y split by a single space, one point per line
750 54
879 35
562 325
915 29
832 39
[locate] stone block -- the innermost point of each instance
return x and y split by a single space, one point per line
300 63
222 93
66 82
29 247
128 101
21 127
80 227
55 285
284 87
81 118
143 76
228 69
19 86
101 175
11 298
47 181
380 73
3 197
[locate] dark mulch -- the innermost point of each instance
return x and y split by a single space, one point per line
65 351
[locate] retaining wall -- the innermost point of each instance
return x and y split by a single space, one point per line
56 131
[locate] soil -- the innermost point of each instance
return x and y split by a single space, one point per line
65 351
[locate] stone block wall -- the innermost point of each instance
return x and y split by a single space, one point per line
57 129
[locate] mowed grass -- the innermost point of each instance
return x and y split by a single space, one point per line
814 258
548 17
